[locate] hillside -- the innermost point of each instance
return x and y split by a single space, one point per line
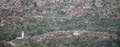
36 17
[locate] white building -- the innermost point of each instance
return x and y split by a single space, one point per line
76 33
22 35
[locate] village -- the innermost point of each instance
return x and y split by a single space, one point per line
62 34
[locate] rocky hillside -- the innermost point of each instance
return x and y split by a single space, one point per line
36 17
62 8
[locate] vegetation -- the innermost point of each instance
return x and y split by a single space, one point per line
17 16
73 42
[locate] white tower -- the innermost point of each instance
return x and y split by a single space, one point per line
22 34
